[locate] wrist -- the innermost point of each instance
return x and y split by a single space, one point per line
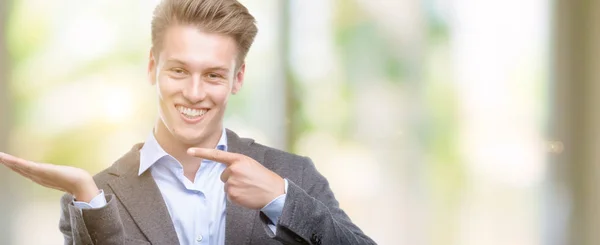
279 188
86 191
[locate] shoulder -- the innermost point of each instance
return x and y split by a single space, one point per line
249 146
286 164
282 157
296 168
243 144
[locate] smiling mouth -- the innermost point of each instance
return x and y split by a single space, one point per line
191 113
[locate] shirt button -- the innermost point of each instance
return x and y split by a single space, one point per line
199 238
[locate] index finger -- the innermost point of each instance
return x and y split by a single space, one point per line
12 161
224 157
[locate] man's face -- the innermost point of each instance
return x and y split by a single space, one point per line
195 72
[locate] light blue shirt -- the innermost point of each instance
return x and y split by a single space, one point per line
197 209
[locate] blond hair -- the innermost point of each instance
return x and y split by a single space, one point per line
227 17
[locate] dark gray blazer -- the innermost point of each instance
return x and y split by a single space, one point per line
137 214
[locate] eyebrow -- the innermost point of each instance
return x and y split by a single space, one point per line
211 68
219 69
171 60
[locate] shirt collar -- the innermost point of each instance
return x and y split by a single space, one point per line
151 152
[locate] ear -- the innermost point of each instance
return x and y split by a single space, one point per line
239 79
152 68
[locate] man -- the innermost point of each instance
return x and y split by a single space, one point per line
192 181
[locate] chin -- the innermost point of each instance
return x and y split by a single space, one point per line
190 138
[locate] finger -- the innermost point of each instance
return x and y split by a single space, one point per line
24 165
224 157
30 170
44 182
225 175
4 158
226 188
28 176
36 172
40 170
24 174
37 179
19 171
10 159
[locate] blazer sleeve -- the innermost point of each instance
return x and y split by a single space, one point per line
311 214
91 226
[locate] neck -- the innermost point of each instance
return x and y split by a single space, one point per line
178 149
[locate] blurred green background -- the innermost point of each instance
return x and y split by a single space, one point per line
436 121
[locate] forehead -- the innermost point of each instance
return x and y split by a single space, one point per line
195 47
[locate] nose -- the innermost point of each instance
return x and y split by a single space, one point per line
194 92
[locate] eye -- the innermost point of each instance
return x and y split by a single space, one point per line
178 70
214 76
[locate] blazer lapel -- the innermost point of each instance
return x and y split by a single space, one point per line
142 199
239 221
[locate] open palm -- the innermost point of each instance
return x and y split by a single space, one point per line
69 179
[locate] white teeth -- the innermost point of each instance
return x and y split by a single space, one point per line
189 112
